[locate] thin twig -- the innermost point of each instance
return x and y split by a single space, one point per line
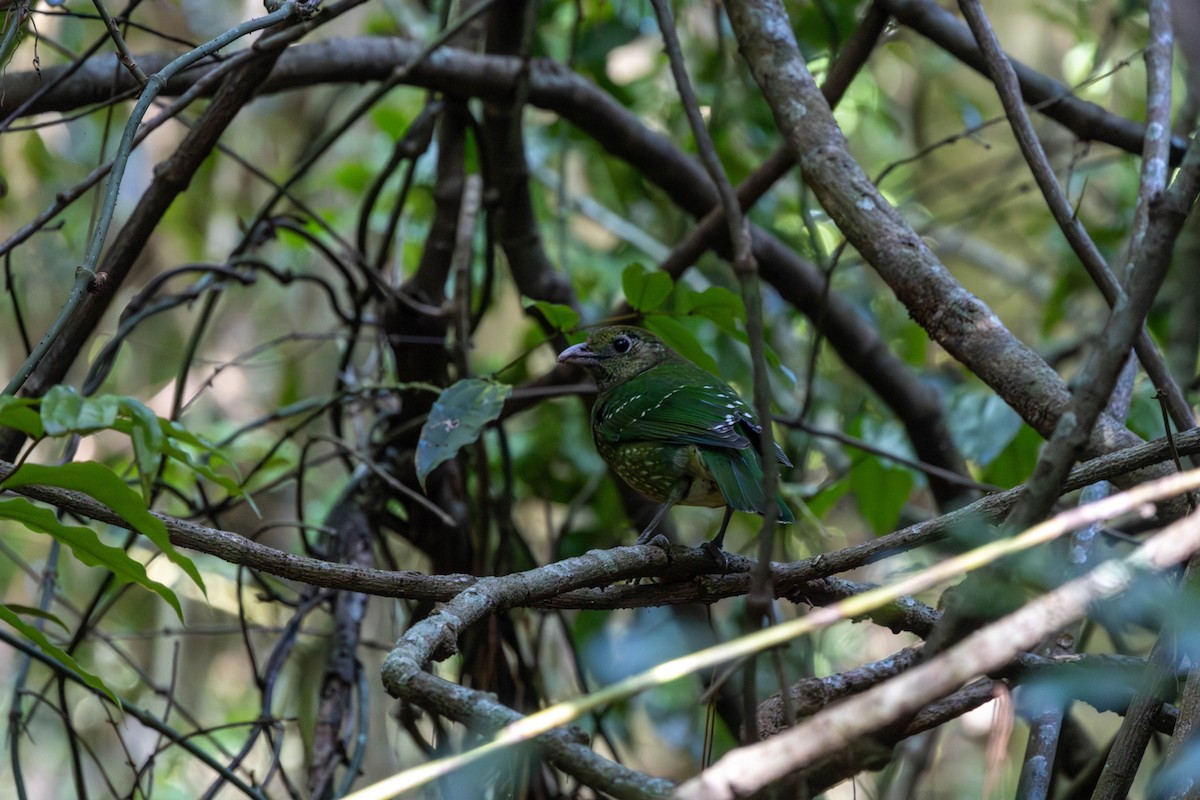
1157 151
237 549
397 77
748 769
404 670
1129 746
149 720
745 267
1085 119
124 54
1093 384
85 272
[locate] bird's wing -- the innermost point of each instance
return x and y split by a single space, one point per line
674 410
675 407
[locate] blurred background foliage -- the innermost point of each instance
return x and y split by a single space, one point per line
296 395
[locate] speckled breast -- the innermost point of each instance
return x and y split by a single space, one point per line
656 470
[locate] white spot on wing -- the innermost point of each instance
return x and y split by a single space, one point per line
629 400
657 405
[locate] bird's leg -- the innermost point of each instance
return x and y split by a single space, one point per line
716 548
680 492
648 534
718 541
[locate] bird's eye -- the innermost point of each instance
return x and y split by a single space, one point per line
622 344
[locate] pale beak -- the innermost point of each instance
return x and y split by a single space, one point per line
577 354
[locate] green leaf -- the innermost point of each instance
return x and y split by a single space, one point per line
176 435
65 412
644 290
104 485
558 316
87 547
1016 461
16 412
1145 411
173 435
30 611
681 340
716 303
38 638
1058 304
456 420
981 424
173 430
909 340
824 501
148 442
769 354
881 492
204 468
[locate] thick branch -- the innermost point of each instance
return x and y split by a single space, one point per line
683 563
963 324
1086 120
952 316
171 178
1094 383
749 769
373 58
436 637
1004 75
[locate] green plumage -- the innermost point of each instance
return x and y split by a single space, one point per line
672 431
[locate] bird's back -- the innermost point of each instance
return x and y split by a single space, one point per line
676 421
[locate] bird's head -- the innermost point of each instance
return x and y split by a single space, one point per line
614 355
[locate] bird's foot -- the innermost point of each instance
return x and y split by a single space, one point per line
717 554
650 535
656 540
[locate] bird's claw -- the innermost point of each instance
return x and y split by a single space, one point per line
717 554
654 540
657 540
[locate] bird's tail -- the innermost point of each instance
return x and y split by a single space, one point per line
740 476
